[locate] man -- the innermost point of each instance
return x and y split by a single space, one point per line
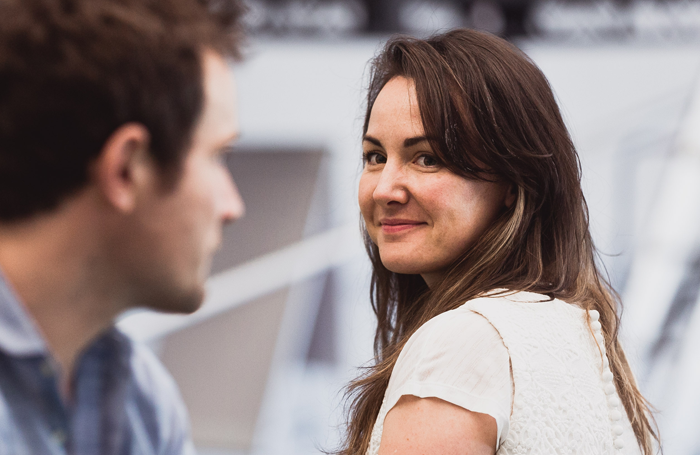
114 115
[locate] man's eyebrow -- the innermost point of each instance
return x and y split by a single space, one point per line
230 140
373 140
411 141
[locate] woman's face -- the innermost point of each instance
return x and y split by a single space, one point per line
421 215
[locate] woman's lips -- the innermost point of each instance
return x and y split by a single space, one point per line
397 226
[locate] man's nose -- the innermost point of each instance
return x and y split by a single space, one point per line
233 205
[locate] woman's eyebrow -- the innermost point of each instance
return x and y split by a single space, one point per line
411 141
373 140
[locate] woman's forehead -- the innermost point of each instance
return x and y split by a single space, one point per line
396 109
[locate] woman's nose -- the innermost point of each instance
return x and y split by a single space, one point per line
391 186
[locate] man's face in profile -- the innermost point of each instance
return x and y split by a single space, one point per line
180 230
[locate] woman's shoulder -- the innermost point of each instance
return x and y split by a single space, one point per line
459 333
512 296
483 316
518 314
457 319
457 327
521 302
476 318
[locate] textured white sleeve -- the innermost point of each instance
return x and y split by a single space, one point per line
458 357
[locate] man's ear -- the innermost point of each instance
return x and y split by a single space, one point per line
123 166
511 194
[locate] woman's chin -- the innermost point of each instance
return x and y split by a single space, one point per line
405 267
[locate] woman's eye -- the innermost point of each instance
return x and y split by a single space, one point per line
427 161
373 158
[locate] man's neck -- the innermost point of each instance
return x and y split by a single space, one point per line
51 263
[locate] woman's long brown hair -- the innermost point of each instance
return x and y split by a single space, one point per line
489 112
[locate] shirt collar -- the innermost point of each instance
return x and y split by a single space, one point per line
19 336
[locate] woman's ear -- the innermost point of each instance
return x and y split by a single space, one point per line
511 195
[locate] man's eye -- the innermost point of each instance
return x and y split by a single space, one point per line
221 156
373 158
427 161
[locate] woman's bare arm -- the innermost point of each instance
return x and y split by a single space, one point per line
430 426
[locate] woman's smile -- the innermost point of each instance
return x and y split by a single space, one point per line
393 226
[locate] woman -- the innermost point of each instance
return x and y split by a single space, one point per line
496 331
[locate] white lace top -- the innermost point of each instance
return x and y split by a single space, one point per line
530 363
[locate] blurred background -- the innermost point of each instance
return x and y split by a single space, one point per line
287 321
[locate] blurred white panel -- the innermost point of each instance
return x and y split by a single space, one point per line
300 92
652 285
424 18
623 104
675 224
681 409
664 319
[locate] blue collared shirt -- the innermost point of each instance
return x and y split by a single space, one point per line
124 401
